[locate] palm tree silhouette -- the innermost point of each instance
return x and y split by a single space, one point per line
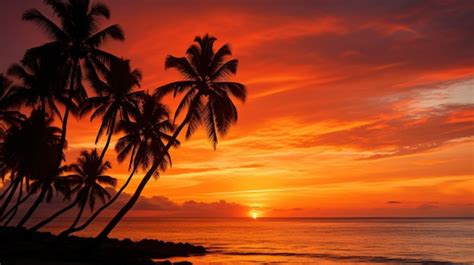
39 89
29 149
7 113
76 40
207 101
8 117
145 134
88 177
34 150
118 98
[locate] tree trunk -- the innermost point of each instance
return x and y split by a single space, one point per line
67 110
17 201
10 185
9 197
62 141
55 215
13 209
103 207
131 202
33 208
43 107
79 214
70 96
109 137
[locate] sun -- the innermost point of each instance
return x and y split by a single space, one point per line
254 215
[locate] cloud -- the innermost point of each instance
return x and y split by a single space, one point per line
416 133
156 206
393 202
164 207
334 87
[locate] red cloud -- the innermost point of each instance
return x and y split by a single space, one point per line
406 135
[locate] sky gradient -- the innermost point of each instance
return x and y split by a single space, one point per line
355 108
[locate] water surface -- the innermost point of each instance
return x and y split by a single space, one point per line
317 241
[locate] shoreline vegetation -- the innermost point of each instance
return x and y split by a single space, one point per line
70 75
29 247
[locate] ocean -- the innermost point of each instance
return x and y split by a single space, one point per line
311 241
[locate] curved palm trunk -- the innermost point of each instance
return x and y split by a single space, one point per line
62 141
15 208
55 215
67 110
109 137
9 197
33 208
131 202
79 214
10 186
43 106
103 207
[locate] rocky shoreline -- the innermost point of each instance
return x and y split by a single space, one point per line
20 246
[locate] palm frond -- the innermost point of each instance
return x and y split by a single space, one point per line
100 10
227 69
107 180
114 32
236 89
47 25
182 65
174 87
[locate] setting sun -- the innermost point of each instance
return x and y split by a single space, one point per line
254 215
272 131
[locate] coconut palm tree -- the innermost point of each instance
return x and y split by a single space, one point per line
145 135
77 39
33 150
8 117
8 114
39 88
118 98
88 175
207 99
10 166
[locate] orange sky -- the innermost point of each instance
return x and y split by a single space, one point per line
362 109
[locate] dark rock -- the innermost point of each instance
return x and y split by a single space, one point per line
20 243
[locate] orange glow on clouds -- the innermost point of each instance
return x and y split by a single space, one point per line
352 111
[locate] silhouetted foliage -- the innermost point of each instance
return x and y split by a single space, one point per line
86 178
53 72
145 135
38 88
207 101
76 39
206 89
32 149
116 97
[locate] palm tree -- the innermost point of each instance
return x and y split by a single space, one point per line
76 39
22 148
118 100
11 214
206 99
34 150
145 134
88 175
7 113
40 87
8 117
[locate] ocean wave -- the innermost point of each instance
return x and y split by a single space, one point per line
355 258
